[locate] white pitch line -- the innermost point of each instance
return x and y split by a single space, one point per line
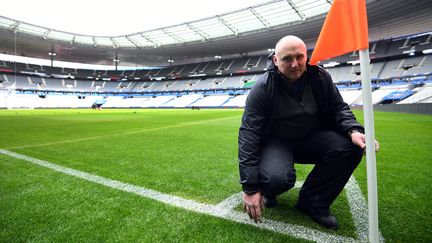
230 203
359 210
298 184
234 200
183 124
214 210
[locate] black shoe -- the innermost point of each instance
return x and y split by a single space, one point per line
269 201
321 216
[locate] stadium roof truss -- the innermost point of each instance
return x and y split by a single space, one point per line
270 15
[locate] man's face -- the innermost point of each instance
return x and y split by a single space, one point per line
291 61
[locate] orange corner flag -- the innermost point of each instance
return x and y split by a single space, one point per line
345 29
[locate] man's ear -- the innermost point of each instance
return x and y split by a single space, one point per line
274 59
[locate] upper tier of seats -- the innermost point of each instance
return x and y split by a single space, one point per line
381 52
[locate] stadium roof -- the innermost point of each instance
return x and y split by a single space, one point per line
266 16
102 18
242 32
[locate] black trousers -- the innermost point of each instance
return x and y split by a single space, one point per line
335 158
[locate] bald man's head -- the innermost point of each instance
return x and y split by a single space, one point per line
290 57
289 41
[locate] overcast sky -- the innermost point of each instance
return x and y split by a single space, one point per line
102 17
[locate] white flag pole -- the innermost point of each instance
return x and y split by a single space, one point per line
370 145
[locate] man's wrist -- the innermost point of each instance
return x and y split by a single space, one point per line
250 191
353 131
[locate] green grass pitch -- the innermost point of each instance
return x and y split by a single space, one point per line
187 153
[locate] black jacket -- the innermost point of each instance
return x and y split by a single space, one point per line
259 115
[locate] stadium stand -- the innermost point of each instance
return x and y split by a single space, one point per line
183 101
421 95
212 101
400 69
237 101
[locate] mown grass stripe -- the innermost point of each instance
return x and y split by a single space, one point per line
183 124
214 210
